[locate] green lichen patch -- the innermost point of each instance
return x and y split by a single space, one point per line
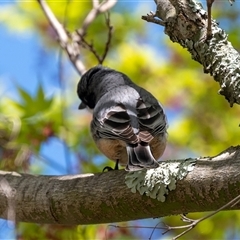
156 183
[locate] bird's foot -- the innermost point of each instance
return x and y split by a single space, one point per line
110 168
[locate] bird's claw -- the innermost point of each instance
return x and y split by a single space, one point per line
110 168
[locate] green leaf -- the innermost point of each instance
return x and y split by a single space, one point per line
33 105
40 93
26 97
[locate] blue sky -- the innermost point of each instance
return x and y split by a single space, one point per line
20 67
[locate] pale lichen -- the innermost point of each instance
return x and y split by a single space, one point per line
217 56
156 183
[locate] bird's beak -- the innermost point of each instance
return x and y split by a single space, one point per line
82 105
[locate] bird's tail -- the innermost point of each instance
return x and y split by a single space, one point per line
139 157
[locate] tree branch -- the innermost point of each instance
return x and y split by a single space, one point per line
90 46
70 46
104 6
186 23
192 223
70 42
104 197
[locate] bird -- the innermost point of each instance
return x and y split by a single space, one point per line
129 125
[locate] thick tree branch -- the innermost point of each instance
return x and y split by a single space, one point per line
104 197
186 23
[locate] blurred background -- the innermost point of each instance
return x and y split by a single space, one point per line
43 132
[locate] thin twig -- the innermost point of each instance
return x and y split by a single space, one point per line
54 22
107 45
182 233
97 9
95 3
151 17
66 43
90 46
209 22
195 222
188 227
150 237
185 218
70 42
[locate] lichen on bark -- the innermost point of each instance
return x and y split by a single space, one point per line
156 183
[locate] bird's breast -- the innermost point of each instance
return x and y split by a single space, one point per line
113 149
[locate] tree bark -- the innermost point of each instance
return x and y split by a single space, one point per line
105 197
185 22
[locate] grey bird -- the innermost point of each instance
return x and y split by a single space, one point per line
129 125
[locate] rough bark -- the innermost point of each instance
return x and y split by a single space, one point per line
105 198
185 22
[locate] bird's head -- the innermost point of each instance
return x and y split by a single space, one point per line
96 82
86 88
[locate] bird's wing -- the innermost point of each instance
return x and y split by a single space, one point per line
151 118
115 125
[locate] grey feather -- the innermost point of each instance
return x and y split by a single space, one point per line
123 111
